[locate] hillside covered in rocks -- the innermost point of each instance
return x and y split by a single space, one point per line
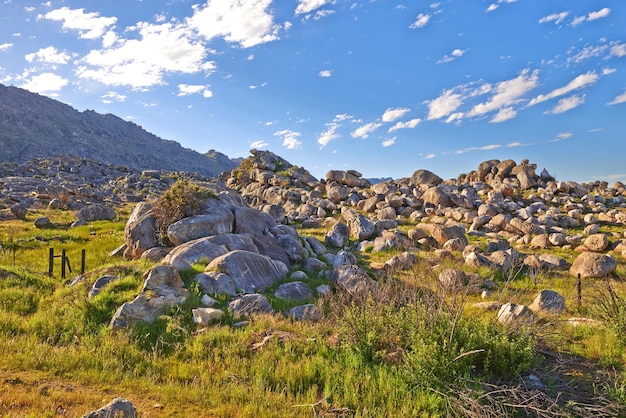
35 126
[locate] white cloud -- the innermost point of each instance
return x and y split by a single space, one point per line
516 144
290 138
444 105
389 142
507 92
247 23
567 103
599 14
619 99
49 55
453 55
554 17
421 21
607 71
258 144
429 156
365 130
618 50
88 25
579 82
391 115
5 47
591 16
405 125
491 7
45 83
307 6
504 114
111 96
325 73
189 89
139 63
562 136
322 13
483 148
329 135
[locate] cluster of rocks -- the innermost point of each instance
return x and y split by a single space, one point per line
245 241
68 182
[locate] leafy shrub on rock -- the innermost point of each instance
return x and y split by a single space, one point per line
183 199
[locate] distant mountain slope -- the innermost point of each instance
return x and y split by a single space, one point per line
35 126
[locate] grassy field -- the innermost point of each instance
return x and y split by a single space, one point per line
411 350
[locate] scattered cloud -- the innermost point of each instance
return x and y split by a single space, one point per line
507 92
618 50
112 96
365 130
246 23
557 18
483 148
516 144
619 99
389 142
504 114
562 136
45 83
325 73
567 103
494 6
329 134
453 55
421 20
429 156
405 125
48 55
290 138
88 25
577 83
307 6
391 115
444 105
5 47
258 144
189 89
591 16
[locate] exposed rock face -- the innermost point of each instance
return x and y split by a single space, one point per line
511 313
548 301
140 231
360 226
251 304
424 177
249 272
350 178
220 221
96 213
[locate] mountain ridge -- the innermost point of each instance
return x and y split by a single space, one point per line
36 126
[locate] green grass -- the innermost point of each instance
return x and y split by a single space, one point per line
404 352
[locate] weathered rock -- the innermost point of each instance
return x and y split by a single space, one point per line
436 196
117 408
252 221
443 234
19 211
100 283
360 226
96 213
452 279
349 276
249 272
424 177
205 316
401 261
140 230
156 254
548 301
162 289
512 313
220 221
338 236
251 304
350 178
596 242
43 222
294 291
590 264
308 312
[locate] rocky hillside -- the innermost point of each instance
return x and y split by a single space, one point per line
34 126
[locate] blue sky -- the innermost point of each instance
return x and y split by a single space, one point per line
384 87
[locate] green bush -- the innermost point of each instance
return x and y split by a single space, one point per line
183 199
